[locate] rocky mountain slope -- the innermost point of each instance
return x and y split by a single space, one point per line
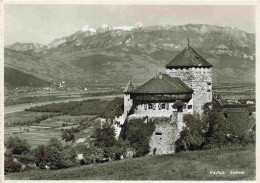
111 54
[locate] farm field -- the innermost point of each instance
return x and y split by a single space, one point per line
40 133
37 134
11 118
188 165
235 91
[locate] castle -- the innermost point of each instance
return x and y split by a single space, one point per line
184 89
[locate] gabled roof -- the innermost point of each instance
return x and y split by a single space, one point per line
129 87
163 84
188 57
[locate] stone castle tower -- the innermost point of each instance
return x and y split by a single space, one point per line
195 72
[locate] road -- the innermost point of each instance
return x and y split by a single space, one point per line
21 107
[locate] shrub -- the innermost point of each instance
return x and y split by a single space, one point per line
194 133
104 137
25 158
54 155
93 154
68 158
11 166
237 129
211 130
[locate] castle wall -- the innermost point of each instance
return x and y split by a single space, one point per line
200 80
202 86
165 134
163 139
128 102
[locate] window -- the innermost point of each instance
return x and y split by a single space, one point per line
150 106
189 106
158 133
225 115
154 106
208 90
163 106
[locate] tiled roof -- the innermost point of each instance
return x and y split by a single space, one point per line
162 84
188 57
129 87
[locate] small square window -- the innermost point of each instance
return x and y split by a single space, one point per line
163 106
189 106
208 90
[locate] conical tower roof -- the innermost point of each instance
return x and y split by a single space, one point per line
188 57
129 87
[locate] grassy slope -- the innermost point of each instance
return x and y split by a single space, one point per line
181 166
16 78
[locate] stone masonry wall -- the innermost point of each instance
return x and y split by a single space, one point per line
202 86
200 80
166 133
163 139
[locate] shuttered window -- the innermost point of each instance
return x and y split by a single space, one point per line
159 106
154 106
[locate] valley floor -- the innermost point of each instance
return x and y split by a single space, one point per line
189 165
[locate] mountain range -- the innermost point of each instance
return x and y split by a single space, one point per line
112 54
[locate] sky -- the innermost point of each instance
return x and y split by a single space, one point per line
44 23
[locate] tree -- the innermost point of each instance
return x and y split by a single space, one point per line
104 137
54 149
194 133
18 146
138 134
11 166
41 154
93 154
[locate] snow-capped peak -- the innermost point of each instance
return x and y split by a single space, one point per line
87 28
127 28
139 25
104 26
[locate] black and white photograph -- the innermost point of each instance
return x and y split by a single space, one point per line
111 91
